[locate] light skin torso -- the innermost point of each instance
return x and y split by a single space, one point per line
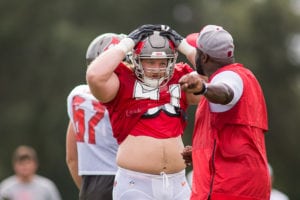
151 155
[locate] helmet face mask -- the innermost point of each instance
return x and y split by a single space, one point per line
158 48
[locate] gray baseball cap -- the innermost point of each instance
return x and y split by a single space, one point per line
214 41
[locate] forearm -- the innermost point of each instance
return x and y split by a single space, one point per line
104 65
218 93
102 68
100 76
196 84
72 154
73 169
188 51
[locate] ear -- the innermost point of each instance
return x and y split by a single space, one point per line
205 57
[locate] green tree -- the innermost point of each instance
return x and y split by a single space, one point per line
42 52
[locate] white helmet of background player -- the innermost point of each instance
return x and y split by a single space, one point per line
101 44
154 46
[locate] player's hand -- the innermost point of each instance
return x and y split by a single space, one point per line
171 34
142 32
187 155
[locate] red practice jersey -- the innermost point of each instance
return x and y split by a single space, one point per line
136 108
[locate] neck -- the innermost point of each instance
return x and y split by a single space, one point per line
25 179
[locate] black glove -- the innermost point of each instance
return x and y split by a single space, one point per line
142 32
171 34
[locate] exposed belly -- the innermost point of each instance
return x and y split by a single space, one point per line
150 155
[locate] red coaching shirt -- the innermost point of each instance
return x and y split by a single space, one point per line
229 154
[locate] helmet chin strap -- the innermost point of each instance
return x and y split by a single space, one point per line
154 83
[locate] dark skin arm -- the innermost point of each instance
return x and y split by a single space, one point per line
218 93
187 155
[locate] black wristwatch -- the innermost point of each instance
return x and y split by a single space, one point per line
203 90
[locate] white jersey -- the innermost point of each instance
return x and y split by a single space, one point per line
278 195
37 189
96 145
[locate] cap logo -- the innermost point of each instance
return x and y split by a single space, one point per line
229 54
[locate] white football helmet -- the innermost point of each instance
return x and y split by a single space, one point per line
154 46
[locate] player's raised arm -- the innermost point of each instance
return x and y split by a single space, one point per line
102 80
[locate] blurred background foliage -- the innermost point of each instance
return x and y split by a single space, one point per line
42 57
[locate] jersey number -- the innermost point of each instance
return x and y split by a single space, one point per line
79 118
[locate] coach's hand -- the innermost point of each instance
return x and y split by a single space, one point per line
187 155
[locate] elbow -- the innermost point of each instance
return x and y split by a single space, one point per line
71 158
223 95
94 81
69 161
91 77
228 96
